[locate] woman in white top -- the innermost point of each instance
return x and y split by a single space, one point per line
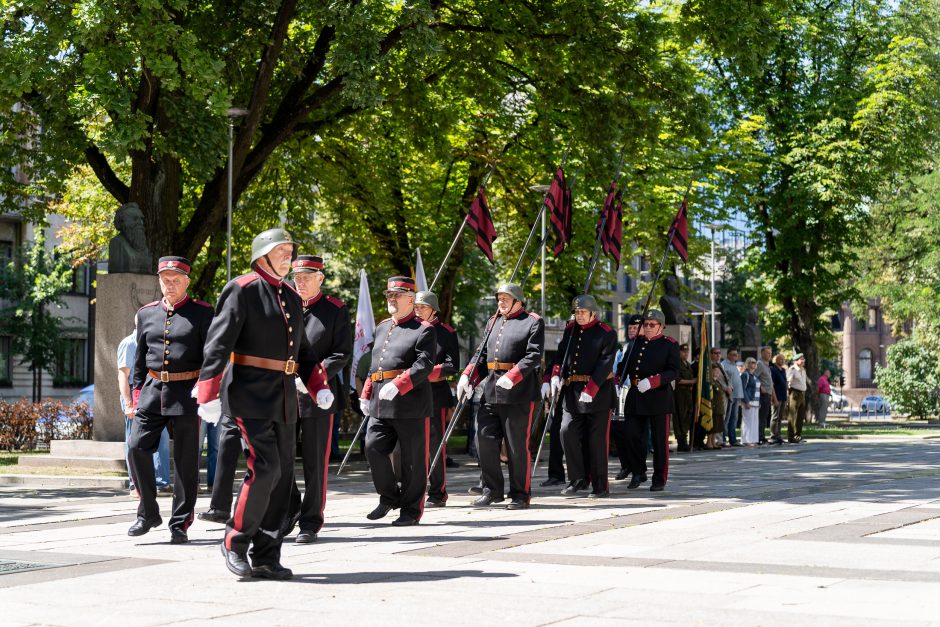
750 428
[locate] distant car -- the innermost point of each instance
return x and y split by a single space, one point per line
837 401
63 424
875 404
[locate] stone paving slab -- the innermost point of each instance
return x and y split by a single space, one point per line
827 533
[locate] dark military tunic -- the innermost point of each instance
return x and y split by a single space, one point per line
326 324
403 355
259 316
683 396
514 348
170 343
655 358
588 369
448 357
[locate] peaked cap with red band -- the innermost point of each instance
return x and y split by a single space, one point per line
307 263
401 284
174 264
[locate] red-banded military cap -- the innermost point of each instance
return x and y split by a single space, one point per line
175 264
400 284
307 263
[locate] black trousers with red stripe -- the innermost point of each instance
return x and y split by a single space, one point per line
412 434
142 444
264 495
316 434
594 430
226 464
514 423
437 483
638 428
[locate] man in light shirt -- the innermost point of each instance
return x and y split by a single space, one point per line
729 365
796 399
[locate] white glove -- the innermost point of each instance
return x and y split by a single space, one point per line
546 391
324 399
505 382
556 384
210 412
464 389
388 392
585 398
364 406
300 385
644 385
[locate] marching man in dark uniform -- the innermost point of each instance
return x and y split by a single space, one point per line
448 357
171 334
256 349
397 399
586 384
326 323
651 367
618 427
509 371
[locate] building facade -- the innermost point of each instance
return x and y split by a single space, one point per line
74 363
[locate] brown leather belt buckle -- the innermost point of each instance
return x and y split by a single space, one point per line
164 376
290 366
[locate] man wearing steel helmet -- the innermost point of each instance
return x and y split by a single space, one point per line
171 335
508 369
397 398
256 349
652 365
326 324
585 382
446 363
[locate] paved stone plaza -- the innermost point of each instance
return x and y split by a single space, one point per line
828 532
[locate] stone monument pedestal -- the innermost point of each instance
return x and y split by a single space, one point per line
118 297
681 333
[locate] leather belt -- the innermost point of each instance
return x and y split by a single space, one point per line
583 378
288 367
500 365
634 381
440 379
165 376
382 375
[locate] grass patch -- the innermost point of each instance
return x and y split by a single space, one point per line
12 458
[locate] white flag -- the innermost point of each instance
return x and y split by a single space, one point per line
365 325
421 281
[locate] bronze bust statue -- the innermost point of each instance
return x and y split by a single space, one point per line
127 251
670 303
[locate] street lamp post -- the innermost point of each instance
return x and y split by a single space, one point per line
232 114
713 228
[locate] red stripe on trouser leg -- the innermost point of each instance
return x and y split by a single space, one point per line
427 457
443 461
239 517
326 466
528 454
666 449
607 449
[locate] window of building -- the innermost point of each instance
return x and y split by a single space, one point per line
80 280
865 365
71 362
859 324
872 318
6 362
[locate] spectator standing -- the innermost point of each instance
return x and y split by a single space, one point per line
127 350
796 399
750 382
824 390
766 393
729 365
778 374
720 395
